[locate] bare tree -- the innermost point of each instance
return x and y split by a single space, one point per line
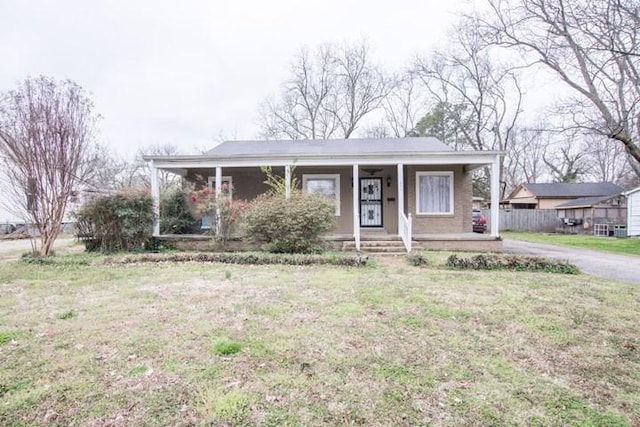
524 160
327 96
605 160
591 46
405 105
46 135
565 163
107 171
467 75
111 172
139 172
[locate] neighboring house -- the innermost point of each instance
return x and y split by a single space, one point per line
549 196
600 215
633 212
416 189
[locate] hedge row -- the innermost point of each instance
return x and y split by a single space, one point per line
511 262
250 258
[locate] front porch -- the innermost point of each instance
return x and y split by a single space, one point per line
415 190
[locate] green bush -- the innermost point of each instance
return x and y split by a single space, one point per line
175 214
511 262
249 258
119 222
291 225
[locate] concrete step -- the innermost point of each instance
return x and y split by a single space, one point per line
376 243
376 246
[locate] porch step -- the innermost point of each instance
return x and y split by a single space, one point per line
376 246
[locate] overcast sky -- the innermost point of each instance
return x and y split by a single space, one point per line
188 72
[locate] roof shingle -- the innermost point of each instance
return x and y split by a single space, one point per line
570 190
330 147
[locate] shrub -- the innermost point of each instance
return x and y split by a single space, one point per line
249 258
119 222
511 262
291 225
417 260
207 204
175 214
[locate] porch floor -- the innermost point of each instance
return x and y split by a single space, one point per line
379 236
469 242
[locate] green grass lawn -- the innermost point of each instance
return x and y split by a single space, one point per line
387 344
604 244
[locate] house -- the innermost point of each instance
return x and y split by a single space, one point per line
550 195
633 212
417 190
600 215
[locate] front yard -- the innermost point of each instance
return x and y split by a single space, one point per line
386 344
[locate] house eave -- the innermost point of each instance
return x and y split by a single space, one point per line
472 159
634 190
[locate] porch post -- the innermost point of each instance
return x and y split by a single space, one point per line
356 206
400 197
218 189
495 197
287 181
155 196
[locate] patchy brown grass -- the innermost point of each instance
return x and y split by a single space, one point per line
382 345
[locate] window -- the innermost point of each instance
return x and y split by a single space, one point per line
326 184
226 188
434 193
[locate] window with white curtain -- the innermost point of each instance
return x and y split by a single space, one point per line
434 193
326 184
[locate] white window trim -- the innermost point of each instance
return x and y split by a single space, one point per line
335 176
451 198
212 184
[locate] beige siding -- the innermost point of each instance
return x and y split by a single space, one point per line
344 222
460 221
249 183
523 196
552 203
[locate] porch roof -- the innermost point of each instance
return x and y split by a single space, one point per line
336 152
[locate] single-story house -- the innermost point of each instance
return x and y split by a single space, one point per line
633 212
550 195
409 189
601 215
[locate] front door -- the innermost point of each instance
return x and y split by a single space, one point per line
371 202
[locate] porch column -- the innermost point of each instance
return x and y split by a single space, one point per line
356 206
218 189
155 196
495 197
287 181
400 197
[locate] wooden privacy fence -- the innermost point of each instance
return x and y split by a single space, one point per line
544 220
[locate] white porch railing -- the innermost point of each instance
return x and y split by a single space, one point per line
356 230
405 230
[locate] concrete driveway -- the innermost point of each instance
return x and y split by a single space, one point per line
623 268
13 249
